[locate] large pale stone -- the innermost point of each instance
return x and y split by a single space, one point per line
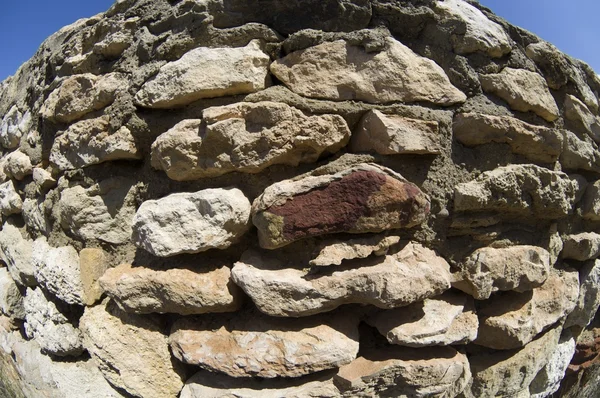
183 291
50 327
17 165
333 253
11 300
205 73
442 320
131 351
393 135
590 208
537 143
509 373
548 380
589 295
580 154
212 385
13 126
523 90
103 211
81 94
405 372
340 71
581 247
514 319
577 111
16 253
253 345
479 34
191 222
487 270
10 200
93 263
520 190
364 198
412 275
246 137
59 271
43 179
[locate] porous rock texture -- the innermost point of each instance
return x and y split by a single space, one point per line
300 199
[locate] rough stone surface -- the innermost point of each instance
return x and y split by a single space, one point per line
10 200
547 381
581 247
591 202
334 253
101 212
13 126
589 295
509 373
580 154
443 320
131 351
514 319
34 215
488 270
191 222
526 190
537 143
340 71
394 135
405 372
43 179
183 291
199 74
50 327
364 198
577 111
90 142
243 347
17 165
81 94
11 300
93 262
246 137
16 252
524 91
480 33
413 274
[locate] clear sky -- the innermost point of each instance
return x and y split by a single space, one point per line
573 26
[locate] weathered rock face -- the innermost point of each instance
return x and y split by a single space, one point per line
16 252
589 295
191 222
10 200
17 165
580 154
488 270
340 71
413 274
334 253
577 111
591 202
11 300
275 348
13 126
246 137
547 381
364 198
182 291
93 263
199 74
581 247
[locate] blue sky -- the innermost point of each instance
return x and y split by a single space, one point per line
573 29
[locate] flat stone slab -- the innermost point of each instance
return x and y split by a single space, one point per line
335 252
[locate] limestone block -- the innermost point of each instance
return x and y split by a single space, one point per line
537 143
50 327
103 211
523 90
589 295
183 291
34 215
514 319
590 208
81 94
393 135
576 110
523 190
579 154
93 263
480 34
405 372
206 73
43 179
246 137
16 253
340 71
11 300
13 126
448 319
261 346
413 274
131 351
488 270
17 165
363 198
10 200
90 142
336 251
581 247
548 380
191 222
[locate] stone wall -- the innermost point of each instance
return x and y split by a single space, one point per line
317 198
